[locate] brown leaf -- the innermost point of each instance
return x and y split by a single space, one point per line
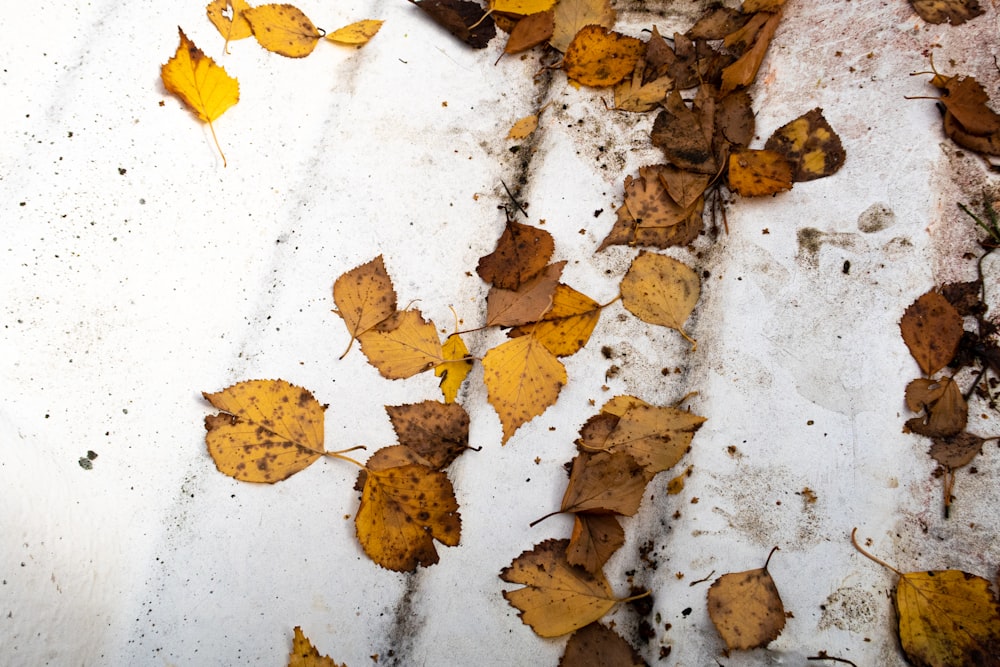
604 483
750 6
304 654
684 187
596 645
648 201
746 609
743 72
627 231
595 538
966 99
810 144
465 20
987 145
734 118
521 253
600 57
931 329
528 303
755 173
679 132
718 22
955 12
364 296
656 436
956 451
438 432
595 431
530 31
947 411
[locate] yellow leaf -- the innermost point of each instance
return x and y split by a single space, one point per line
304 654
268 430
283 29
571 16
656 436
365 296
661 290
558 598
948 617
520 7
631 94
403 509
523 128
600 57
227 17
567 326
810 144
754 173
403 345
522 380
746 609
356 33
200 83
455 368
744 70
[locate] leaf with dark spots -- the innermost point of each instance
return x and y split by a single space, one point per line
439 432
521 253
465 20
678 131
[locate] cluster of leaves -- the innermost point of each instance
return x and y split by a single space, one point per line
208 90
966 118
950 336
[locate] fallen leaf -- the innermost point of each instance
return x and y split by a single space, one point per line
567 326
987 145
947 412
438 432
955 12
201 84
684 187
520 7
356 34
966 99
595 644
403 509
595 538
810 144
601 57
627 231
268 430
521 253
631 94
931 329
530 31
755 173
403 345
304 654
455 368
283 29
604 483
649 202
571 16
656 436
681 134
364 296
522 380
956 451
528 303
751 6
463 19
734 118
661 290
718 22
746 609
227 17
558 598
743 72
523 128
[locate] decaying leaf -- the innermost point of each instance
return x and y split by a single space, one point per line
595 538
743 72
601 57
946 410
364 296
718 22
201 84
268 430
754 173
956 451
304 654
558 598
746 609
528 303
656 436
403 509
968 121
357 33
521 253
931 329
661 290
454 369
438 432
530 31
684 187
403 345
685 136
604 483
633 94
955 12
567 325
810 144
227 17
523 128
523 378
649 202
597 645
462 18
571 16
283 29
628 231
734 118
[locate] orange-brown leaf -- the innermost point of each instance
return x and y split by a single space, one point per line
595 538
364 296
530 31
604 483
283 29
931 329
746 609
521 253
947 412
742 72
955 12
656 436
597 645
567 326
528 303
600 57
438 432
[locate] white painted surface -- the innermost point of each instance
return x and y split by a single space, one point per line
137 272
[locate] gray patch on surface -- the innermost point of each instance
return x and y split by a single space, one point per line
875 218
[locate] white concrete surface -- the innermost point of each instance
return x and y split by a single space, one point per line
137 272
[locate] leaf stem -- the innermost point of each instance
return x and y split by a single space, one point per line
340 455
869 556
769 557
644 594
538 521
217 146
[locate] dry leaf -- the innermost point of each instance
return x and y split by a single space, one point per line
455 368
627 231
522 380
656 436
523 128
648 201
661 290
283 29
567 326
681 134
746 609
947 411
463 19
931 329
438 432
595 645
520 7
304 654
631 94
521 253
365 297
743 72
755 173
201 84
528 303
403 345
356 34
810 144
601 57
558 598
227 17
403 509
684 187
530 31
956 451
268 430
718 22
595 538
571 16
604 483
734 118
750 6
955 12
